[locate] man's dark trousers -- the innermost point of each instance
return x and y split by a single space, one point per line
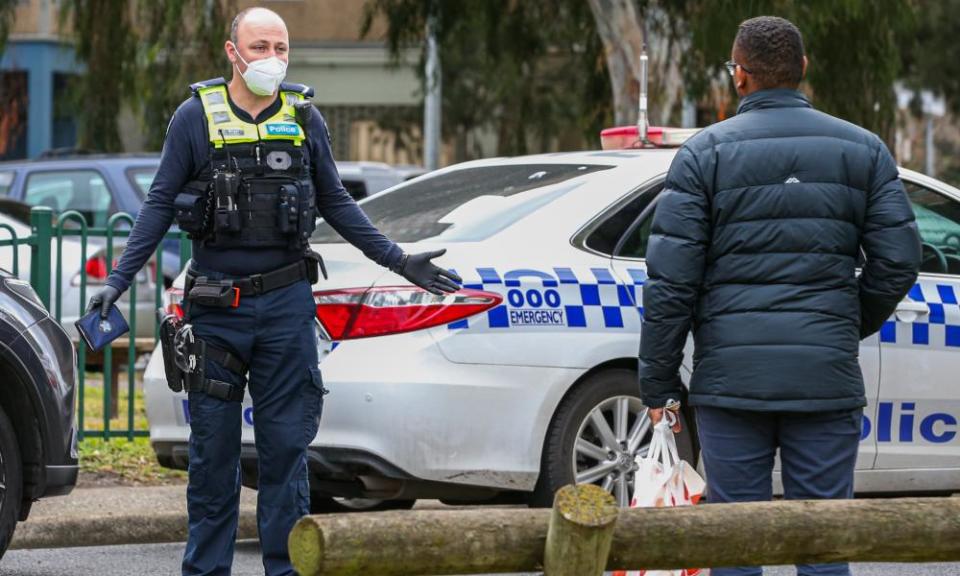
818 453
274 334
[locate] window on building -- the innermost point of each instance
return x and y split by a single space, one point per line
14 101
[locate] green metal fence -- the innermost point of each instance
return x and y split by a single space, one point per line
47 274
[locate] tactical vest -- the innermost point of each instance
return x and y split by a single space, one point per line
259 192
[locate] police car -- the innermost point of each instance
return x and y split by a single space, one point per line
526 379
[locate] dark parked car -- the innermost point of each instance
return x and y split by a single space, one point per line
38 436
96 185
99 185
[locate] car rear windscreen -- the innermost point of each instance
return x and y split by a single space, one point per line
6 181
142 178
466 205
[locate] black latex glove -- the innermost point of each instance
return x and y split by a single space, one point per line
104 299
419 270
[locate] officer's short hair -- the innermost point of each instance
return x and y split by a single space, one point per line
772 50
236 23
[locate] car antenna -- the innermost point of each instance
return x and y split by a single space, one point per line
642 120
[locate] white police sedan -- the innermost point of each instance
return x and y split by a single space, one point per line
526 379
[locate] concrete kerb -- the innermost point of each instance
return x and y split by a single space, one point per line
128 515
114 529
117 515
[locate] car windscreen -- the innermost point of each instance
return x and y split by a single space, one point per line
466 205
142 178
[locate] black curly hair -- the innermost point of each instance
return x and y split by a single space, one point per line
771 48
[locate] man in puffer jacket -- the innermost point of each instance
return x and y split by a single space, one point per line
755 246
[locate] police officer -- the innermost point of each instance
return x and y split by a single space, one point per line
245 167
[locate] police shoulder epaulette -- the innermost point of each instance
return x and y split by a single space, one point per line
298 88
197 86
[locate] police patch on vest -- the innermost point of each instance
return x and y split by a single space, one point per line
214 98
231 132
283 130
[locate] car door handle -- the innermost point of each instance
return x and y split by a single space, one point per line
910 311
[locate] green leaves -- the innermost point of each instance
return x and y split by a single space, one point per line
7 8
143 53
105 43
529 72
183 44
854 48
930 56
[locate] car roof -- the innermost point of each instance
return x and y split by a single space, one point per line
627 170
82 160
363 167
586 196
622 158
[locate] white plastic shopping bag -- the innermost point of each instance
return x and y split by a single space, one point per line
664 480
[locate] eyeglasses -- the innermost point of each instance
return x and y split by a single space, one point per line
732 67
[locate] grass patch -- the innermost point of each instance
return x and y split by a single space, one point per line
118 460
121 461
94 407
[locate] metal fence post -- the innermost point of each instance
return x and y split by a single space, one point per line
41 223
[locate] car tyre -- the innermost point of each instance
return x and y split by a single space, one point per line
557 466
11 481
322 504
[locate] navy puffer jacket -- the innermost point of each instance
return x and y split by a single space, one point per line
755 246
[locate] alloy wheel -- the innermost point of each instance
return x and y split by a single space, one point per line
610 438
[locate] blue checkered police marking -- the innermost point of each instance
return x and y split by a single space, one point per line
939 329
581 298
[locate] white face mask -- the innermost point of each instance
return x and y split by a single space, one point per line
263 77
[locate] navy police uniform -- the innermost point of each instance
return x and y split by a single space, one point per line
247 191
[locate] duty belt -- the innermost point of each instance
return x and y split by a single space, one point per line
227 292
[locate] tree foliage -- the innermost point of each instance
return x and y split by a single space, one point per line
497 55
104 40
854 47
932 57
528 71
171 58
7 8
143 53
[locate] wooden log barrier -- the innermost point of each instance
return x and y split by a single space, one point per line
419 542
789 532
512 540
580 531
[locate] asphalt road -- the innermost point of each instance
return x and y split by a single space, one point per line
164 560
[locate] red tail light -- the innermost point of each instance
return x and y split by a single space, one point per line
365 312
96 268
